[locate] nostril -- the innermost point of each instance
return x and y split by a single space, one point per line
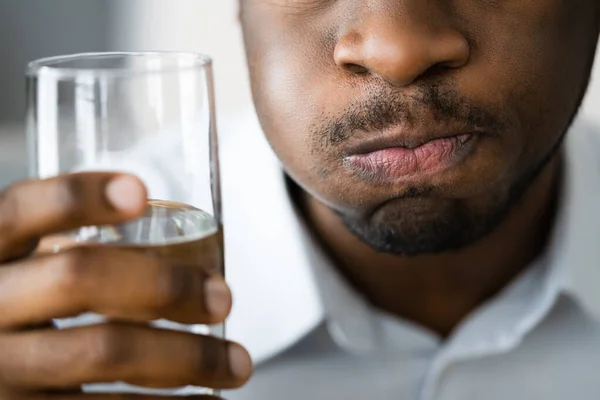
438 69
355 68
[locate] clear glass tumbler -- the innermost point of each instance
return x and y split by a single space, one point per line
150 114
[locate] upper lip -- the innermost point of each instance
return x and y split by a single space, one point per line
410 138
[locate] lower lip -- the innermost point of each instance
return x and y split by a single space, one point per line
400 163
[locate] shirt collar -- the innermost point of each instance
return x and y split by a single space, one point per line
568 266
279 299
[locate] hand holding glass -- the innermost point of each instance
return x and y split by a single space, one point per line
149 114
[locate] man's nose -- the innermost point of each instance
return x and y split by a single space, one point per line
402 48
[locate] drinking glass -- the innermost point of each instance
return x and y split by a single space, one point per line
149 114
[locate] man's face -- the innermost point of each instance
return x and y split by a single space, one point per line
420 123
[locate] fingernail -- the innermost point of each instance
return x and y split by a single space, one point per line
240 363
126 193
217 296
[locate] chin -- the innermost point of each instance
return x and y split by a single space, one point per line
425 225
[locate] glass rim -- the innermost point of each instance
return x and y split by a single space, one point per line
52 65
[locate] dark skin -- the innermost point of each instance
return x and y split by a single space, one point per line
39 362
439 291
514 71
326 76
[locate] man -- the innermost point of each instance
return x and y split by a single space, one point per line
433 236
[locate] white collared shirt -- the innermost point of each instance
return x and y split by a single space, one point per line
313 337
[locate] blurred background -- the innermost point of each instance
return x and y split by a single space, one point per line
31 29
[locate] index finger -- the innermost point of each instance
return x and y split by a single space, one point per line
35 208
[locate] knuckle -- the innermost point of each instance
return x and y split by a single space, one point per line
213 357
171 286
71 189
108 346
71 269
10 207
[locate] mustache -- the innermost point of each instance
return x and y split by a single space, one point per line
387 108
